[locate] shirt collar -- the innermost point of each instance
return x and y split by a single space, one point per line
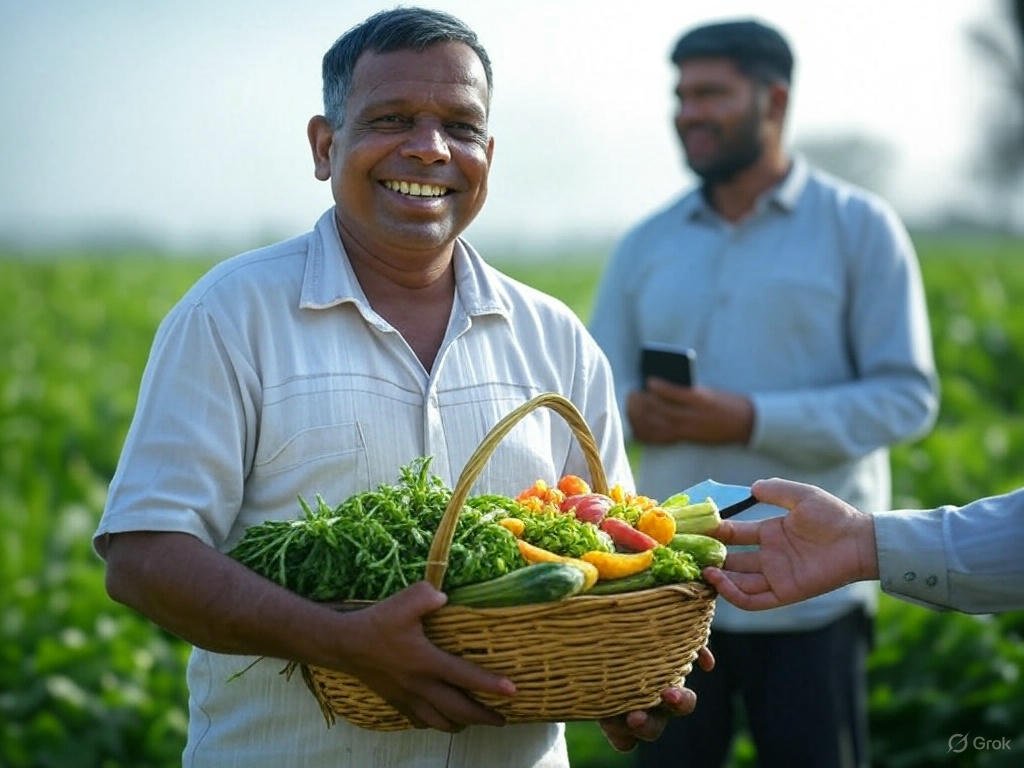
330 280
783 196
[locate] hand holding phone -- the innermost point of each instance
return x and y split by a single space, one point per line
669 362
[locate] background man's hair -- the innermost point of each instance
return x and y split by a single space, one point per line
759 51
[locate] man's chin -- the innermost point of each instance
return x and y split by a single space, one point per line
422 237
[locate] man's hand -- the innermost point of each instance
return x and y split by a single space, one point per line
668 413
624 731
822 544
429 686
215 602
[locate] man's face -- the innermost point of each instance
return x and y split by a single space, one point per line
719 115
409 164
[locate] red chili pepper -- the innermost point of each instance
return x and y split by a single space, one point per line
626 536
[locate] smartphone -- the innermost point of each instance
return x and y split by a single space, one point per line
669 362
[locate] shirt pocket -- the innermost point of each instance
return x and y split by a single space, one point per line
311 445
311 441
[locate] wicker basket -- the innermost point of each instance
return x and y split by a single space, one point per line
578 659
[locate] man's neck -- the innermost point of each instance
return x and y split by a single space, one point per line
735 199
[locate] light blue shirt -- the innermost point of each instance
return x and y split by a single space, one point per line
273 378
967 558
813 307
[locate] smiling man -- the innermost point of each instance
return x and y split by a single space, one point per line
323 364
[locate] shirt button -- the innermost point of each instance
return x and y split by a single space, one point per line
909 576
931 581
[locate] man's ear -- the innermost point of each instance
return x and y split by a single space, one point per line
321 136
778 102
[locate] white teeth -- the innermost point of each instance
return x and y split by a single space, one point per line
415 189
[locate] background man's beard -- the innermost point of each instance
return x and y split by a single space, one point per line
726 168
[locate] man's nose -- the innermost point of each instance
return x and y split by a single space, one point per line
688 110
428 142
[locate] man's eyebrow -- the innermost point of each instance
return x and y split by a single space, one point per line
460 110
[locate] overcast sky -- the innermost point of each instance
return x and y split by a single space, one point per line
185 121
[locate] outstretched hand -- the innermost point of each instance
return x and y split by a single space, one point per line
822 544
624 731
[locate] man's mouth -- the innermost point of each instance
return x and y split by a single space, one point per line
415 188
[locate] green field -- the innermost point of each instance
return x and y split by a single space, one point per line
84 682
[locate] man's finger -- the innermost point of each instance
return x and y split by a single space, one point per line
738 532
744 561
730 587
782 493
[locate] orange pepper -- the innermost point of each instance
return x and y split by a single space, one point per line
534 554
573 485
536 491
514 525
658 524
618 565
541 490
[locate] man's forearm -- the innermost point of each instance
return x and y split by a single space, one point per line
212 601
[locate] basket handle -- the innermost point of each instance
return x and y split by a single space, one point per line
437 559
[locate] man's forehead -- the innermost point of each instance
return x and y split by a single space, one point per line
710 64
452 63
703 69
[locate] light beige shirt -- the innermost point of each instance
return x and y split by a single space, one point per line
273 378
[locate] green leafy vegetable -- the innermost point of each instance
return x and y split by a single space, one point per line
672 566
564 534
376 543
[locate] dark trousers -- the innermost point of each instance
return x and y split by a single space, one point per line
804 696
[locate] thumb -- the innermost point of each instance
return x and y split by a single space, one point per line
781 493
419 598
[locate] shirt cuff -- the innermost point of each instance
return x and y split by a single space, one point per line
912 561
775 415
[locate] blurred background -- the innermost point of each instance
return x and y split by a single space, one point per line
182 125
144 141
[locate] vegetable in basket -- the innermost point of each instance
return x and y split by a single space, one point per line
562 533
626 537
699 517
588 507
376 543
703 549
535 583
534 554
667 566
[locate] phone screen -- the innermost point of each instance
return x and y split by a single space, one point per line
675 364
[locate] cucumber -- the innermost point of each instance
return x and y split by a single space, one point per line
537 583
704 549
642 580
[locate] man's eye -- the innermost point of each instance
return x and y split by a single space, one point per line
465 130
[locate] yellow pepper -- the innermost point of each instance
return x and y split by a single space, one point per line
617 565
514 525
658 524
534 554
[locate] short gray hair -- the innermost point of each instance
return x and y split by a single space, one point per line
395 30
